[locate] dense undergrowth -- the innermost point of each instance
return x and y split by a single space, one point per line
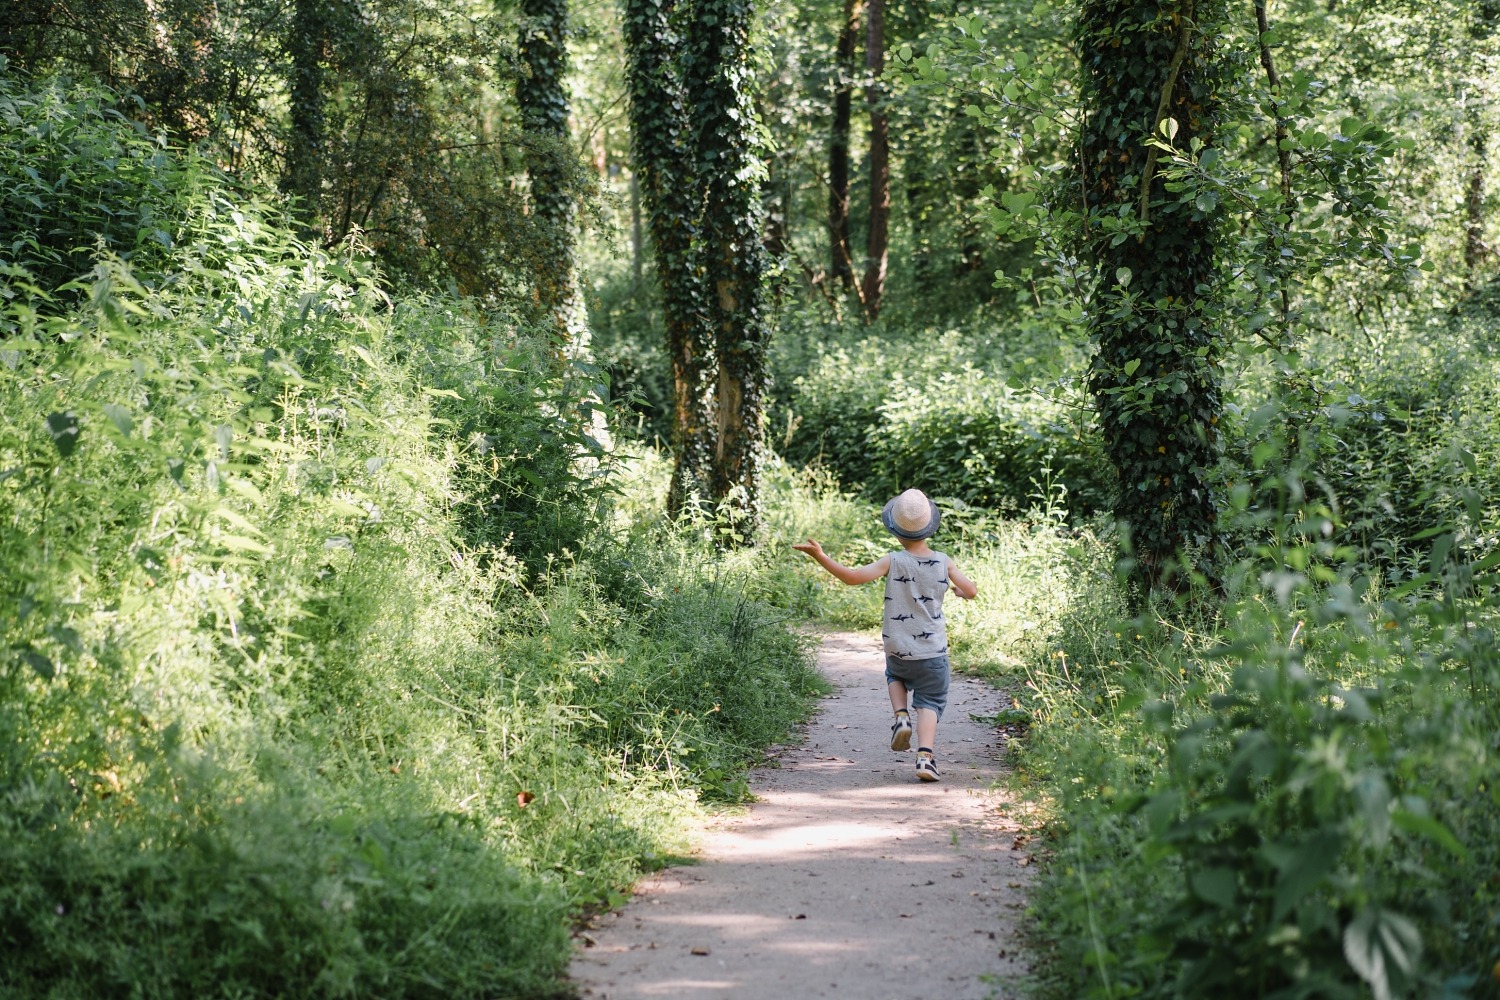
1288 786
319 672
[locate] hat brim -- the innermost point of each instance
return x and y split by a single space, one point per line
887 517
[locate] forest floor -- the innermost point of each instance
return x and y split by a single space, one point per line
847 877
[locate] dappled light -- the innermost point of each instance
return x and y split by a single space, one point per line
464 461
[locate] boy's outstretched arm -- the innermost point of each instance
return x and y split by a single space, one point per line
850 575
962 585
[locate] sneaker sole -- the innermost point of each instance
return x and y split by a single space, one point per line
926 775
901 740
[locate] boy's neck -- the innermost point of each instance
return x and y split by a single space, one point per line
916 546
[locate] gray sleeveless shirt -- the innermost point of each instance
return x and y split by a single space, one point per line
914 586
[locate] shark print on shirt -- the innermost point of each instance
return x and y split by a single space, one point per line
914 591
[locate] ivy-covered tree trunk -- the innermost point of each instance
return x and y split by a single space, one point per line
664 161
306 141
719 81
1485 20
877 240
542 96
1155 376
842 266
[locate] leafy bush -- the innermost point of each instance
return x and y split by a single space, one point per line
886 417
279 714
76 176
1304 787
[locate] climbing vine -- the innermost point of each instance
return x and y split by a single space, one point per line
542 95
663 141
717 71
697 152
1152 67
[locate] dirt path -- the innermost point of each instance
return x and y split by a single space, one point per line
847 878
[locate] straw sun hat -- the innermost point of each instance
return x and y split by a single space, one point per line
911 515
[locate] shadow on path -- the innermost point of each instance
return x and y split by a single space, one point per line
847 878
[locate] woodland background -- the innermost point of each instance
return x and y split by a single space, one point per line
406 409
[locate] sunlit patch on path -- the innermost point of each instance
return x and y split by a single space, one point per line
847 878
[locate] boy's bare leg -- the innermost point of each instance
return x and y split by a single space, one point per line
898 693
927 721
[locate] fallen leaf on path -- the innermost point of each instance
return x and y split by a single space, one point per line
700 950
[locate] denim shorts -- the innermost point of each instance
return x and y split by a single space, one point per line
927 680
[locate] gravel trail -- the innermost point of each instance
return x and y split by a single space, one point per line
847 878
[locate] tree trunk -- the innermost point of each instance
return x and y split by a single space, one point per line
306 142
666 166
718 79
841 265
878 235
542 95
1155 376
1485 19
1475 249
637 240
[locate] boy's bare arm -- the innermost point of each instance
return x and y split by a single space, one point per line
962 585
851 575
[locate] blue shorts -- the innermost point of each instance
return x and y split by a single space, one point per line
927 680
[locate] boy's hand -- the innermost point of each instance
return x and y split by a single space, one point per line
811 547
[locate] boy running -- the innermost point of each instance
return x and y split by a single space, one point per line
914 632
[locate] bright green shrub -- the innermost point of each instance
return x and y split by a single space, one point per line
1304 788
889 416
278 714
76 177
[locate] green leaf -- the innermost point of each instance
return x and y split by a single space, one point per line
1132 365
239 543
1123 276
1303 867
41 664
1431 829
120 417
1215 885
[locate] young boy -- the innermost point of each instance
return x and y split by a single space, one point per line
914 633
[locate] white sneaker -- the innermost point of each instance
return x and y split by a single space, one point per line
901 733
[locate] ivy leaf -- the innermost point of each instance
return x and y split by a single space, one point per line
41 664
64 430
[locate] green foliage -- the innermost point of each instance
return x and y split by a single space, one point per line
938 413
57 208
279 714
1303 786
